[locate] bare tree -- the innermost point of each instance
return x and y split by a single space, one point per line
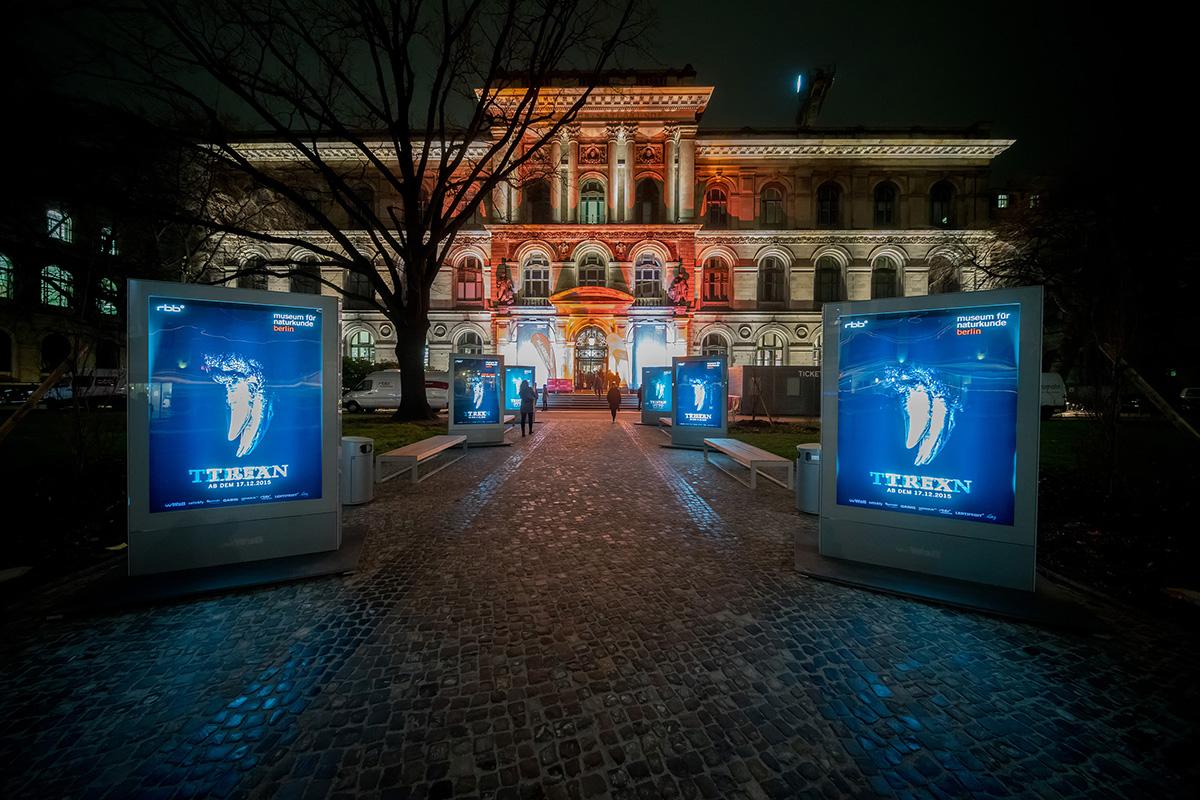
436 105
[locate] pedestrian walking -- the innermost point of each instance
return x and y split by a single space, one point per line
528 401
546 396
639 398
614 400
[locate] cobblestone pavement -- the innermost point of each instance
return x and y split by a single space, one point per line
586 614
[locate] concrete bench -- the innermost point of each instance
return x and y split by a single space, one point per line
411 456
749 456
664 424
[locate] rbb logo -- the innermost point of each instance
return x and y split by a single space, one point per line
861 323
170 308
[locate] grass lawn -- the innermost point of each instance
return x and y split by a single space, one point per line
387 433
780 439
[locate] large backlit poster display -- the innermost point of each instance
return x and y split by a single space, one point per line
232 425
700 396
656 394
513 375
477 394
930 434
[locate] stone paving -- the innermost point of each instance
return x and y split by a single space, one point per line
586 614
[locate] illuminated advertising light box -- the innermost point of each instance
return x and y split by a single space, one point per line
512 386
930 423
701 395
656 394
232 425
477 398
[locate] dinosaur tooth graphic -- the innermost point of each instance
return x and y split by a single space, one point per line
247 401
928 406
541 343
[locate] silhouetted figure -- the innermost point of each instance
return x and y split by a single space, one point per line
639 398
546 397
528 402
614 400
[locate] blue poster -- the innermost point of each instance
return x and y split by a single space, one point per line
700 393
235 414
927 412
476 391
512 387
656 389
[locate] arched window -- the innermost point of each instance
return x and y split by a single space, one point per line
592 270
6 352
941 205
108 241
716 281
771 350
773 215
591 203
944 276
714 344
58 287
884 278
59 225
306 276
7 284
885 205
829 212
468 281
361 345
647 276
536 277
55 350
364 196
716 208
537 203
470 343
827 283
253 273
107 297
648 202
356 286
772 286
108 354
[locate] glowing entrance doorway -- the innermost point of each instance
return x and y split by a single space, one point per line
591 355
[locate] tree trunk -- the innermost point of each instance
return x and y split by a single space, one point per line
410 355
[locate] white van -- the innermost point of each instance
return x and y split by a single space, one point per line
1054 394
382 390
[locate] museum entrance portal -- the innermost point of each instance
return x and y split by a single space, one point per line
591 356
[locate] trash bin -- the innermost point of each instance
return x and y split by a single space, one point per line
808 478
358 470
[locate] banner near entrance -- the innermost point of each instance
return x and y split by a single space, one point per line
477 398
930 425
512 386
701 395
656 394
232 443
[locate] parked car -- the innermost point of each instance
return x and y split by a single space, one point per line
381 390
1189 400
1054 395
103 389
16 393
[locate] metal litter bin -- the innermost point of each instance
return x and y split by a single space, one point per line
808 478
358 470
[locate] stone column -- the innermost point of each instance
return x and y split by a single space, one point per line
672 134
614 183
573 173
630 159
555 181
687 174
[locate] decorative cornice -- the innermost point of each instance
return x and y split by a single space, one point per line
265 152
878 237
613 102
852 148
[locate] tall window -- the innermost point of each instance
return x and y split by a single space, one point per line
55 350
772 208
591 270
941 205
57 287
885 205
716 281
470 342
714 344
358 290
7 287
944 276
771 277
537 203
469 281
829 212
361 345
884 278
6 352
59 225
252 274
591 203
647 277
108 241
827 285
648 202
536 277
306 277
771 351
716 205
106 299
